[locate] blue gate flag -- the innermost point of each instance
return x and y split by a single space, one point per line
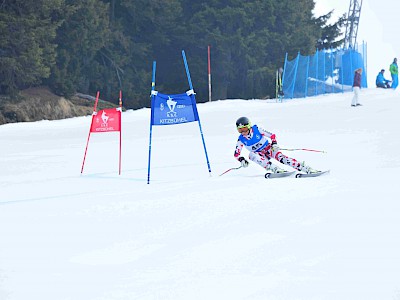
173 109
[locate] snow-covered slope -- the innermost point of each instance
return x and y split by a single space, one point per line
186 235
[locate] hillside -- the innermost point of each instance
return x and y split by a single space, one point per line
37 104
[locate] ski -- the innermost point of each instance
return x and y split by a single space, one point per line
278 175
303 175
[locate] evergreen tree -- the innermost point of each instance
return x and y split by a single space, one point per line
249 41
108 45
330 33
27 48
224 25
83 34
159 25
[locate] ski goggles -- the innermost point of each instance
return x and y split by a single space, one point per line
243 129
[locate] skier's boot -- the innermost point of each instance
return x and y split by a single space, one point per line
307 169
274 169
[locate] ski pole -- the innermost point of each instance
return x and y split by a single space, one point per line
230 170
303 149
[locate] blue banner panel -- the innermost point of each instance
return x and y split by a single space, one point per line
173 109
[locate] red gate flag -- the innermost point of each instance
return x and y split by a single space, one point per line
106 120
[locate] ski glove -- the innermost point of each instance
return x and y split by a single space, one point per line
273 139
274 143
243 162
275 147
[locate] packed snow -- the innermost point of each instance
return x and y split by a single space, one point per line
191 236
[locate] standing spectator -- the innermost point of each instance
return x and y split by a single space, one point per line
356 87
381 81
394 71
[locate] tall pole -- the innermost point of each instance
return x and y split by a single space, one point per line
153 87
187 70
209 74
352 22
195 109
120 130
87 142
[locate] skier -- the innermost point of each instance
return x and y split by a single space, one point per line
262 146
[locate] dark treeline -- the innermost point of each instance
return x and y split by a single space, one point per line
107 45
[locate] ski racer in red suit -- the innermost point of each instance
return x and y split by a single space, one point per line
262 146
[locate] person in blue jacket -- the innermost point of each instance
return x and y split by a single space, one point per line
263 147
381 81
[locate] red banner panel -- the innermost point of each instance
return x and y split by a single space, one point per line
106 120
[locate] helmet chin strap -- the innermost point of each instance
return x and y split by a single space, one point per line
250 132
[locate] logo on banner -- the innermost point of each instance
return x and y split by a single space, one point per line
171 105
104 118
